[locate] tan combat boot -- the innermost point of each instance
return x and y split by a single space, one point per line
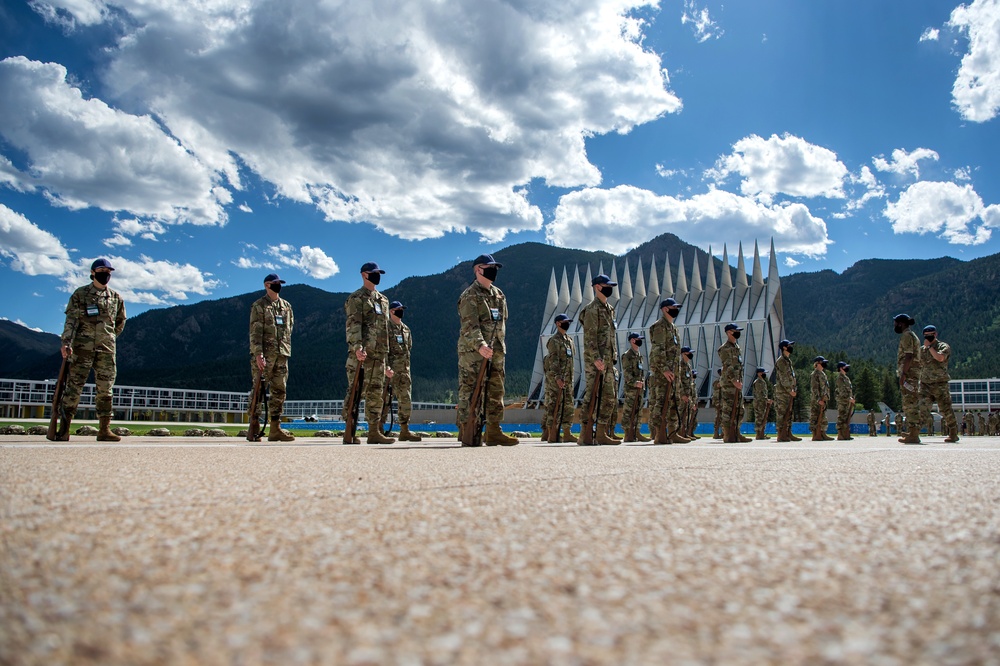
276 434
567 434
104 434
817 435
630 435
640 437
783 435
494 435
62 433
586 434
610 430
952 435
912 436
406 436
760 434
602 436
375 435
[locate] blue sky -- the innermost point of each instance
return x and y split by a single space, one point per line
201 145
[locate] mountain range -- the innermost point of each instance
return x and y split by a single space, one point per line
204 345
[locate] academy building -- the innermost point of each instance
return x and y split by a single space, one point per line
711 295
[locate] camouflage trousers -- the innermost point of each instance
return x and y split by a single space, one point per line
760 411
817 418
632 409
469 364
105 371
732 398
607 410
782 410
276 376
931 392
844 414
553 406
374 384
658 385
402 388
911 402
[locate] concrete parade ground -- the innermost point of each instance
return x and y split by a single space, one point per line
195 551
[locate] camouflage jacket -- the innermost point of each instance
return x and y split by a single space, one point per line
598 321
664 347
271 325
632 369
94 319
871 419
400 344
482 312
732 364
760 392
784 376
368 322
686 386
845 390
932 370
820 386
908 344
558 363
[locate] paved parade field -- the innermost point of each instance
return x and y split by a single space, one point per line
189 551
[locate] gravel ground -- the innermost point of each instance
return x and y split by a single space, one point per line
221 552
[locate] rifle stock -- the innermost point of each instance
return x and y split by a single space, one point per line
53 431
253 429
353 405
387 414
472 430
593 410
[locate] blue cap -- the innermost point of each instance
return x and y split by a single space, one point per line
603 279
785 343
562 317
685 350
843 364
930 329
273 277
732 327
904 318
371 267
486 259
820 359
694 373
635 336
669 303
101 263
760 370
396 305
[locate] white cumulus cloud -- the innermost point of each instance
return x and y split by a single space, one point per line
930 35
420 117
83 153
904 163
955 212
149 281
30 249
310 260
785 165
976 92
623 217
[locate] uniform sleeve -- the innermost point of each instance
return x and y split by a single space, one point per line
120 317
291 319
74 310
468 314
353 307
256 330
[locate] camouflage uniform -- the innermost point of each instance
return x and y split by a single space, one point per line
934 379
400 344
664 356
977 424
598 320
909 344
845 406
899 423
685 388
872 428
633 372
368 328
732 397
558 364
784 384
820 390
760 406
271 325
483 315
717 402
94 320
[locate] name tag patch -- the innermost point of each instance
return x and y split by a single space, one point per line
279 320
378 308
93 311
399 339
495 314
569 352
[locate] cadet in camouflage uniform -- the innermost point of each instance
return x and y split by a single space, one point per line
95 317
558 367
732 385
785 390
368 344
934 377
600 355
761 403
899 423
685 387
400 344
908 371
664 380
976 424
635 385
819 397
482 311
845 401
691 423
717 403
271 322
872 427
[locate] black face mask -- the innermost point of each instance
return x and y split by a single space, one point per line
736 335
102 278
398 313
374 278
898 328
929 338
607 291
638 343
564 325
275 287
789 350
673 312
490 273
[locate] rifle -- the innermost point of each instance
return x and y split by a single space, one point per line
253 430
352 407
54 433
593 410
472 431
387 407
